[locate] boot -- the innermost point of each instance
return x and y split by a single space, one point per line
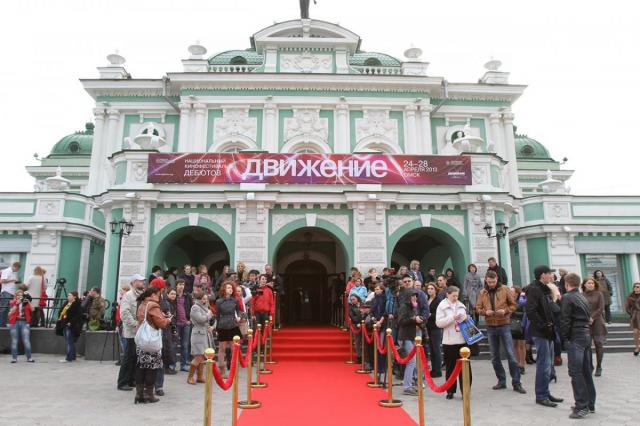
192 369
200 371
148 394
529 358
139 398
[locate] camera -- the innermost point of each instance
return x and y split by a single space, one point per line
61 281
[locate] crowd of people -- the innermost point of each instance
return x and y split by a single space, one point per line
194 312
552 314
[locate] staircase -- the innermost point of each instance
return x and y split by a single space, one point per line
310 344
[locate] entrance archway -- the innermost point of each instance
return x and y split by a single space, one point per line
432 247
310 260
192 245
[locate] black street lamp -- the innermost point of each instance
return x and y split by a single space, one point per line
120 228
501 232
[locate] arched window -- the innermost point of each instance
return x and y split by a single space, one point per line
238 60
527 150
74 147
372 62
306 150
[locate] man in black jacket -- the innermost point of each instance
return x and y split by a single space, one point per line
538 309
502 274
574 328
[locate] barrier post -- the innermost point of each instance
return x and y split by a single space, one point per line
375 383
258 383
270 341
466 385
419 371
234 401
249 403
389 402
264 369
343 314
209 354
351 361
362 370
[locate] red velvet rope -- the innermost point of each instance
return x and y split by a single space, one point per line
354 330
267 331
367 338
256 338
396 355
244 361
382 350
232 372
450 381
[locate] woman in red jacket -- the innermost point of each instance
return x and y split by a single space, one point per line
263 304
19 320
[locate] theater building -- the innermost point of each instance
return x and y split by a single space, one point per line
305 88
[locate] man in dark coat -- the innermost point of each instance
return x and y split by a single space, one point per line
502 274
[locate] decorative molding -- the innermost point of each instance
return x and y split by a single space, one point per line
306 62
376 124
280 220
340 220
306 122
456 221
139 171
396 221
480 175
224 220
49 207
235 123
164 219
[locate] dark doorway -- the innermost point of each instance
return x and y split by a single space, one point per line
306 293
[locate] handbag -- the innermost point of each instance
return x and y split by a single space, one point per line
148 339
470 331
59 328
517 329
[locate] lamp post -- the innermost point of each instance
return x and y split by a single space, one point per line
501 232
120 228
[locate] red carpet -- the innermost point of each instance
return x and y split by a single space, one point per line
312 386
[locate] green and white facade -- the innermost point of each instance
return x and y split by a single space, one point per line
307 86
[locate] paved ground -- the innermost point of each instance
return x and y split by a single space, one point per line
83 393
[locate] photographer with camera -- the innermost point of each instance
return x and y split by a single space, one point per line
8 280
19 325
542 329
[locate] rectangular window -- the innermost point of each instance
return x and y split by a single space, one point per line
610 265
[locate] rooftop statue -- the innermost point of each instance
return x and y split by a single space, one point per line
304 8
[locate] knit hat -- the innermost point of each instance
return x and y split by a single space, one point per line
158 282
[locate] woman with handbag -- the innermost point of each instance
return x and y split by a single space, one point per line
149 361
472 286
19 325
200 317
449 314
70 323
517 328
227 311
591 291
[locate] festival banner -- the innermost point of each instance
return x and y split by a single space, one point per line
337 169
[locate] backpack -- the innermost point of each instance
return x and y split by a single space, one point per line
148 339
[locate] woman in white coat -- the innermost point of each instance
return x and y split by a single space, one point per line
449 313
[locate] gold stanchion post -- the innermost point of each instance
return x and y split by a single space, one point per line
209 354
270 341
389 402
264 369
234 402
362 370
465 353
249 403
345 326
419 370
351 361
375 383
258 383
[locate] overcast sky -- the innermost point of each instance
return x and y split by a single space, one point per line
580 60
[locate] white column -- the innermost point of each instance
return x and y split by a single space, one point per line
198 140
107 247
425 144
635 275
496 137
84 267
410 143
342 145
97 152
110 146
183 137
270 130
510 150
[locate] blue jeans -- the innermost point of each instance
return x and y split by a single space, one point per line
435 347
544 348
184 335
123 343
580 369
71 345
496 335
410 367
159 378
17 330
5 298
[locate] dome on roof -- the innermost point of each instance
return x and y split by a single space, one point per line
374 59
530 149
76 144
237 57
